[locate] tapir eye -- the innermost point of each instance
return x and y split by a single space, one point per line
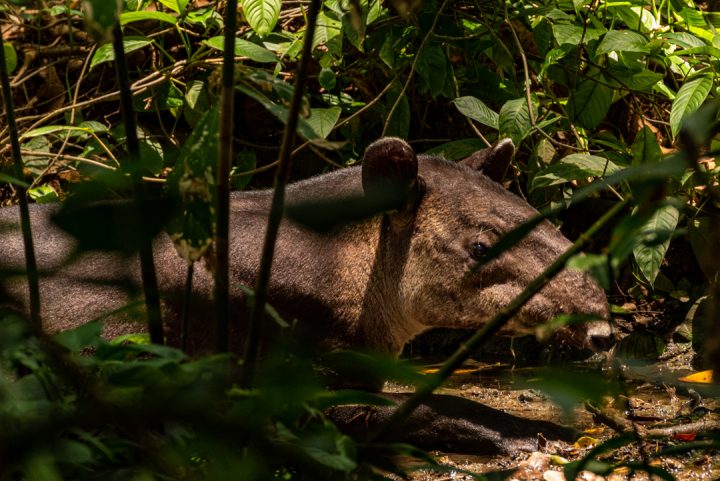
478 250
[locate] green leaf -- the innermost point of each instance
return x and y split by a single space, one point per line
93 126
328 33
645 149
177 6
475 109
51 129
573 34
431 65
12 180
683 39
654 241
622 41
129 17
245 161
574 167
105 52
712 52
457 149
569 388
690 96
514 120
43 194
594 264
262 15
10 57
635 16
321 123
78 338
642 80
197 101
244 48
193 182
327 79
590 103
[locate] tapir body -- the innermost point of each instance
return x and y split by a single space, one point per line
372 284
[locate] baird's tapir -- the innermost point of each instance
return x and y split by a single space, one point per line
373 284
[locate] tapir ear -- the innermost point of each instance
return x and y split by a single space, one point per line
493 162
390 169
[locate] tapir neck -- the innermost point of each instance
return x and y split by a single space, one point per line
347 282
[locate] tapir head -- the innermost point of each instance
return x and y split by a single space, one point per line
455 213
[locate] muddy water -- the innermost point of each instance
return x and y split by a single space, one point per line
647 397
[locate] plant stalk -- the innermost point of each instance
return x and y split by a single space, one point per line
491 328
30 261
222 181
147 264
278 201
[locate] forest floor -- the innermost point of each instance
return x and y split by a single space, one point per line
654 401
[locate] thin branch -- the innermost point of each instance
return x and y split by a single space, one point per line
222 205
276 210
411 75
147 265
491 328
30 262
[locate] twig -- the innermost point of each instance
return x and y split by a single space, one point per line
139 86
411 75
147 265
276 209
222 205
30 262
491 328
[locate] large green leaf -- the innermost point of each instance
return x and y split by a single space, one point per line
654 240
128 17
177 6
475 109
573 34
514 119
590 103
262 15
315 129
645 149
683 39
105 52
243 48
574 167
633 79
635 17
321 122
622 41
690 96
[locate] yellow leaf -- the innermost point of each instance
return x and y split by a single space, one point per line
585 442
704 377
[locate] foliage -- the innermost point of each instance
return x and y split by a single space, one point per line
594 95
144 411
